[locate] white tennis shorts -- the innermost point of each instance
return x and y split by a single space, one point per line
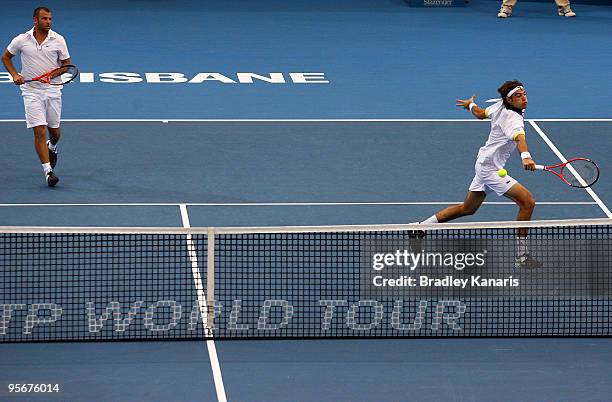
486 179
43 108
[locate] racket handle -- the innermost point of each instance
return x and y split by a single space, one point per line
540 167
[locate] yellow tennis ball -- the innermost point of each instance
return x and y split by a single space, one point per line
502 172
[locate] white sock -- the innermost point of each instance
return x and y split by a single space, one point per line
521 246
52 147
46 168
431 219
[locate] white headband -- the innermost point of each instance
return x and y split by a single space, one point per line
513 91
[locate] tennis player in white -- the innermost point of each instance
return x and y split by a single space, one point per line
41 50
507 133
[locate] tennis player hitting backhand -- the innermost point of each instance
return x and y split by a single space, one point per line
507 133
41 50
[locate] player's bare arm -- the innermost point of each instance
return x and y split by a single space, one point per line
521 145
470 105
8 64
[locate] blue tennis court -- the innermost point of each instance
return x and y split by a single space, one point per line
306 113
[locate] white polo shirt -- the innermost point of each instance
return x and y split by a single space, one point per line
506 125
38 59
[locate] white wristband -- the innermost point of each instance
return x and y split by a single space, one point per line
525 155
471 106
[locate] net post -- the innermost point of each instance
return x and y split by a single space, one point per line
210 280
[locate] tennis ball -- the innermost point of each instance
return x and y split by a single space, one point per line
502 172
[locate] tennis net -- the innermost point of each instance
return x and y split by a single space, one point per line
448 280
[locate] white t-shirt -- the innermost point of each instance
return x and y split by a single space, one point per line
506 125
38 59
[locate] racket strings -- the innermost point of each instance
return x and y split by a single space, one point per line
63 75
581 172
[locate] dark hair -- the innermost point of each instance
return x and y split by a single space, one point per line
505 89
508 86
38 9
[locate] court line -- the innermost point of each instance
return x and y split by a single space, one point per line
372 120
210 344
570 120
245 120
557 152
279 204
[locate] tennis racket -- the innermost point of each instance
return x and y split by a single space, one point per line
576 172
58 76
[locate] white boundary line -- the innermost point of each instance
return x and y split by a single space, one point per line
210 344
284 204
298 120
552 146
570 120
247 120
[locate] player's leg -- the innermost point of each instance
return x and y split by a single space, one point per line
506 8
564 8
36 119
40 143
54 136
526 203
53 113
473 201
